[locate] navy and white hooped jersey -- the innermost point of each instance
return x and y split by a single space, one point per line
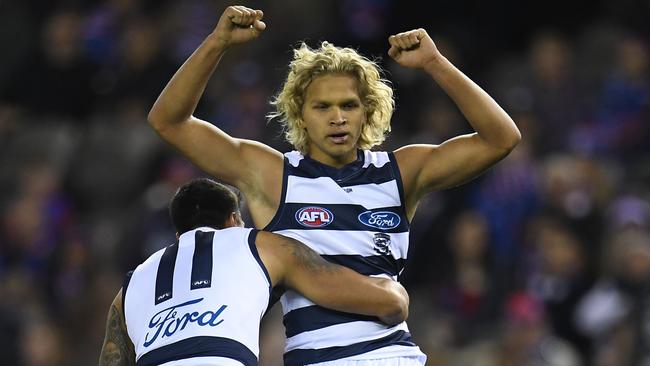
199 301
353 216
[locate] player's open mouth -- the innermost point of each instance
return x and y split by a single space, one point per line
338 138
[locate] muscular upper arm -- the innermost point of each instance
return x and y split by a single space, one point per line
238 162
286 259
425 168
117 349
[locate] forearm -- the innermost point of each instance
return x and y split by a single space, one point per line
180 97
483 113
380 297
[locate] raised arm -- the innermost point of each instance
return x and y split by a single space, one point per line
294 265
117 349
239 162
430 167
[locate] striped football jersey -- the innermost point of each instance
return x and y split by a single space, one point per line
353 216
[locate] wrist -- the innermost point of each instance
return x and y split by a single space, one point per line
436 64
216 43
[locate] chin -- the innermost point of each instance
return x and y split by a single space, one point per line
337 152
342 150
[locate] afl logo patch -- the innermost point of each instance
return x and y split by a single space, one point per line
383 220
313 216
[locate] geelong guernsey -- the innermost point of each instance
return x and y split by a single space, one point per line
353 216
199 301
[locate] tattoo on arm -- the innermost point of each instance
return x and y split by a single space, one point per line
117 349
309 259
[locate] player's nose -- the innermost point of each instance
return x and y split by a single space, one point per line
337 117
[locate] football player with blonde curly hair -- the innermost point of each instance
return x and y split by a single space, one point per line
351 204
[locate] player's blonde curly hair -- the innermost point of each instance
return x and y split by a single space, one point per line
374 91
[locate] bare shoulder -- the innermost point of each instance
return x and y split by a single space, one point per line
260 158
261 150
411 159
413 154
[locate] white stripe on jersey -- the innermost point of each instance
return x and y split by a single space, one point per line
377 159
334 242
387 356
291 300
336 335
370 196
383 275
294 157
204 361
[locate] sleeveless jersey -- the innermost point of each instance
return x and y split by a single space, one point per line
353 216
199 301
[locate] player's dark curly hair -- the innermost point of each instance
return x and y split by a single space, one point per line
202 202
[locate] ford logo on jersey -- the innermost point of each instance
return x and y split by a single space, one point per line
383 220
313 216
171 320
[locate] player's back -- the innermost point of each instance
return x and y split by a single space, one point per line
199 301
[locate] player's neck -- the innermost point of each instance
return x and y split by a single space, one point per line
338 161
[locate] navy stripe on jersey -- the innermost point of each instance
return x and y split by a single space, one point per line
398 178
369 175
252 236
345 217
199 347
283 195
125 285
202 260
372 265
316 317
165 275
299 357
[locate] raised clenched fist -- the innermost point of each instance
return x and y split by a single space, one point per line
239 24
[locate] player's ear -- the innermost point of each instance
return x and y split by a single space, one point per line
240 221
234 220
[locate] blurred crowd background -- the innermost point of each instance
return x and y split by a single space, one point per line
543 260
